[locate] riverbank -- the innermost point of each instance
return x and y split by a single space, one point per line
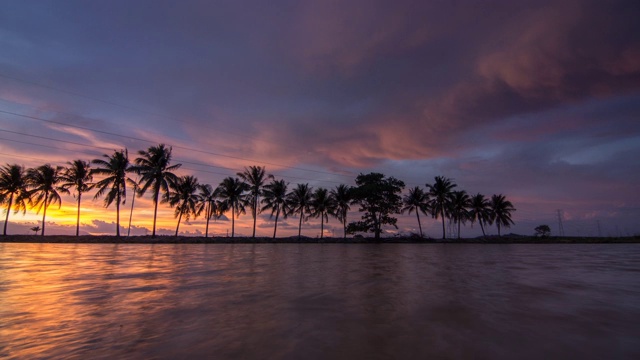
510 239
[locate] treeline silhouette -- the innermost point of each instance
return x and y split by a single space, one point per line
152 172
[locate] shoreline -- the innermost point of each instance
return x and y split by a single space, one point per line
111 239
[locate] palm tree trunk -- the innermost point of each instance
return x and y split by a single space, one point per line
208 213
459 228
78 219
321 225
344 223
482 228
155 211
233 221
133 200
118 215
44 213
7 218
443 232
419 225
178 226
498 224
275 227
255 215
300 225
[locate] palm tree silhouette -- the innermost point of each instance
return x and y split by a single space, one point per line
342 198
114 172
156 173
185 198
77 175
501 209
480 210
440 198
460 201
321 206
232 194
13 187
300 202
209 204
274 197
416 200
44 189
255 177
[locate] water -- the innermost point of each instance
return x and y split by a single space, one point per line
313 301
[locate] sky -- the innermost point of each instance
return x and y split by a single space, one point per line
536 100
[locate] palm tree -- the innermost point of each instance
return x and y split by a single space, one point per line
156 173
342 198
183 196
416 200
255 176
440 197
13 186
232 193
114 171
44 189
300 202
460 201
501 209
321 206
209 204
77 175
275 198
480 210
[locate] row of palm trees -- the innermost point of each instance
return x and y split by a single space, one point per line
153 172
442 201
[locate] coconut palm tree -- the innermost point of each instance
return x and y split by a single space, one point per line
154 167
232 195
77 175
416 200
322 206
343 199
44 188
501 209
113 184
480 211
13 190
255 177
440 198
209 204
460 201
184 197
274 197
300 202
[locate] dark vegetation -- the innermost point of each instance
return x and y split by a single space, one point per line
379 197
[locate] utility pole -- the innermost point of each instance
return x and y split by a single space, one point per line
560 228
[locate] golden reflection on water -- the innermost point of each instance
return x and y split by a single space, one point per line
318 301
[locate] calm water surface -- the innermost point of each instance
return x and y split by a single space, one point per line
308 301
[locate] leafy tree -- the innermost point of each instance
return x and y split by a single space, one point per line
275 198
460 201
342 198
210 205
378 197
13 190
44 189
440 198
154 166
232 194
113 185
299 200
480 211
416 200
255 176
77 175
501 209
322 206
184 197
543 231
